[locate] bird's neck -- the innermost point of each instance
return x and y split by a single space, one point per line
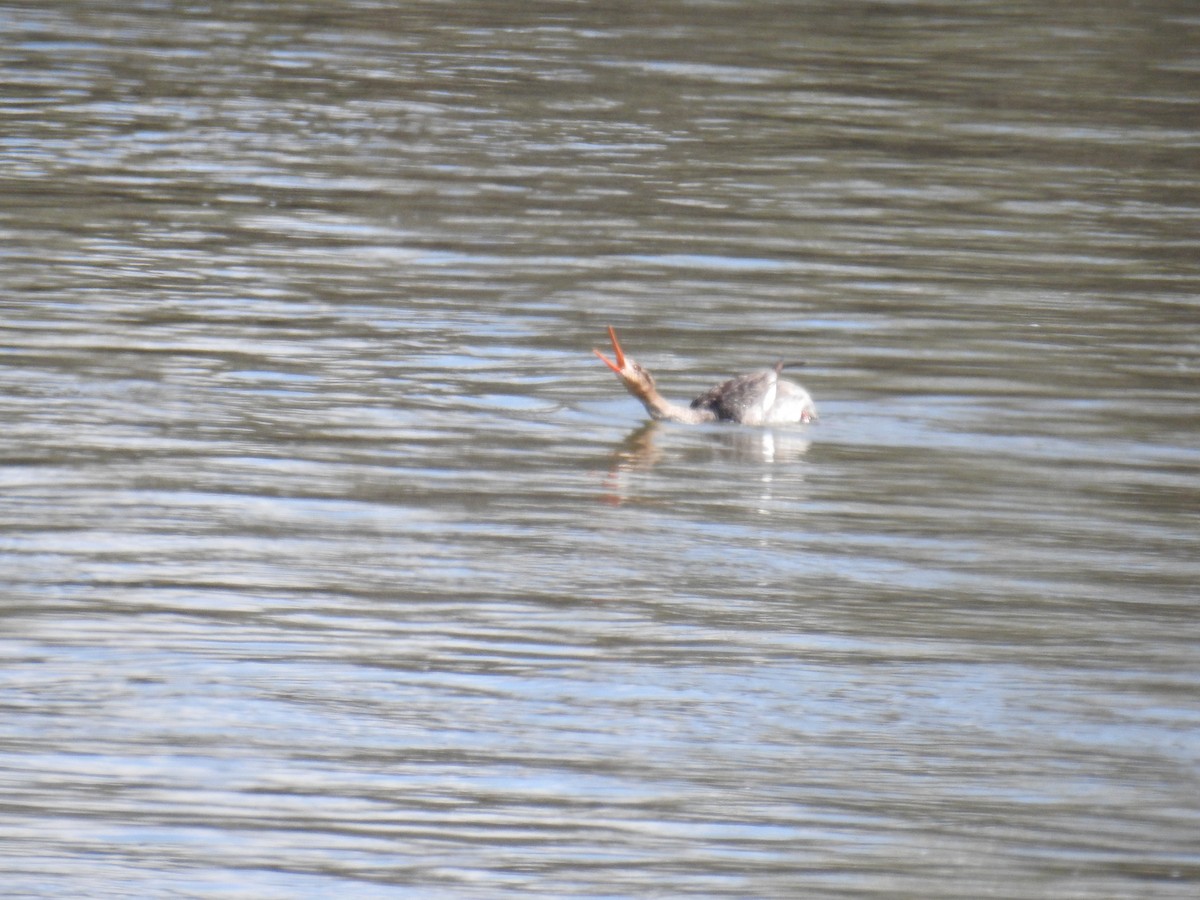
663 409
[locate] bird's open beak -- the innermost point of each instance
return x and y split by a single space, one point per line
617 351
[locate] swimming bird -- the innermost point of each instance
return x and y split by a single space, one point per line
759 398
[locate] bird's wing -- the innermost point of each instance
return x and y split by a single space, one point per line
738 397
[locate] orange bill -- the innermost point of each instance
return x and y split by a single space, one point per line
617 351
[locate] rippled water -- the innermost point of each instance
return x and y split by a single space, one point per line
333 563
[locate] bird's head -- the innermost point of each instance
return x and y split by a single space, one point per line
637 380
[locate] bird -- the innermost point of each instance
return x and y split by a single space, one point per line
759 398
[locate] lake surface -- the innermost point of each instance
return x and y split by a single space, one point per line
332 563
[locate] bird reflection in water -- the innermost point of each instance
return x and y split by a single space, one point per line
643 449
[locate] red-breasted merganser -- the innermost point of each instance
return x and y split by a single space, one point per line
760 398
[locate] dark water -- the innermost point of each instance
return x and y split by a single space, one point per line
332 563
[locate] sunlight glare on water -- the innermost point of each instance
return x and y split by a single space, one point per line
333 562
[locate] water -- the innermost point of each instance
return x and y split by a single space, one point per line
332 561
